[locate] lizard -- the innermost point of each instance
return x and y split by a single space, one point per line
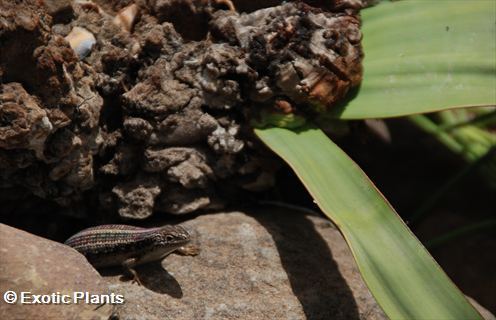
128 246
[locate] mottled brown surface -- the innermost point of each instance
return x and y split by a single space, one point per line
24 124
103 124
252 5
40 266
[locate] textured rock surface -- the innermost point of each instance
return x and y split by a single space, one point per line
271 264
134 117
40 266
268 265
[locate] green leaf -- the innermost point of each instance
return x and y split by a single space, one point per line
402 276
424 56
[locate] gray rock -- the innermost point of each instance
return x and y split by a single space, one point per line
137 198
270 264
267 265
40 266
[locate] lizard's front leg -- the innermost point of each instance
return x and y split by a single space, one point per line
189 249
128 266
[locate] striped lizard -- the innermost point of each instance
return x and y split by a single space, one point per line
128 246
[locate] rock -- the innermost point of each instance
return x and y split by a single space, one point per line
169 96
333 40
40 266
125 18
137 199
81 41
181 201
59 8
108 83
271 264
267 265
49 108
27 125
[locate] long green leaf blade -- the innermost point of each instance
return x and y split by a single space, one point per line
424 56
402 276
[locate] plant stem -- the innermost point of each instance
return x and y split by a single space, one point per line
482 120
430 127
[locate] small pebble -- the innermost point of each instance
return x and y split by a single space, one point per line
81 41
126 16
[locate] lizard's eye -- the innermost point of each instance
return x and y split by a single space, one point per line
169 238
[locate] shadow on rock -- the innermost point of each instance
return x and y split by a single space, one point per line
153 277
307 259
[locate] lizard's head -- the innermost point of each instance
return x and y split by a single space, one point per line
159 242
171 236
